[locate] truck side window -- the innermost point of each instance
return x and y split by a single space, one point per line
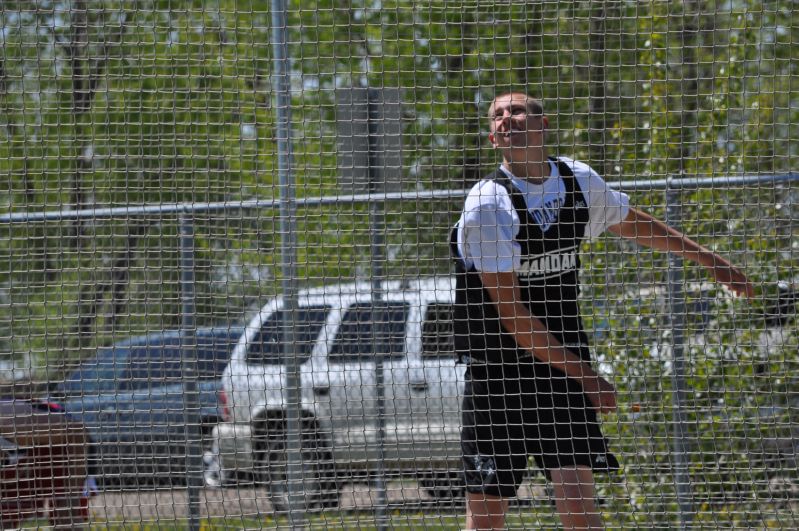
265 348
437 332
368 330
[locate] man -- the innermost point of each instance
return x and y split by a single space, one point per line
530 387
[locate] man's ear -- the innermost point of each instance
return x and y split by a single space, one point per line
545 122
492 139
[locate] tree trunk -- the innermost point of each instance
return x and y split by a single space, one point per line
689 84
81 103
597 120
94 293
120 277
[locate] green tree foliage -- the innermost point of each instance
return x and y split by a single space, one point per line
107 103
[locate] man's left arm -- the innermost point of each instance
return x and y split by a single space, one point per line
650 232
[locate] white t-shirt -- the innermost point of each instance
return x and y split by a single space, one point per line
489 223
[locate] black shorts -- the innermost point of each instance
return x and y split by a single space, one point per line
514 411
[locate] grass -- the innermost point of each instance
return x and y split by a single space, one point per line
527 518
331 520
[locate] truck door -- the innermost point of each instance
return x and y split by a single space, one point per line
368 332
437 387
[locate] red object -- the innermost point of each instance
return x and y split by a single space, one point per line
43 466
223 401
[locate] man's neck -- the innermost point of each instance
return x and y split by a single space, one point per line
534 170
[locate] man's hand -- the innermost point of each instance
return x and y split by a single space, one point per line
734 279
601 393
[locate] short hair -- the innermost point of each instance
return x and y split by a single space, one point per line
534 105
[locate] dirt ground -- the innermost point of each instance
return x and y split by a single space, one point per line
150 506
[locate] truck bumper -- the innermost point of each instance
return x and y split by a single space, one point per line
234 444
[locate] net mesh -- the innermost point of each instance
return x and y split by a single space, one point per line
154 214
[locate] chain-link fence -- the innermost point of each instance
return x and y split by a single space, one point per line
228 300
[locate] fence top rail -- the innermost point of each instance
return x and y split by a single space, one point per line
186 209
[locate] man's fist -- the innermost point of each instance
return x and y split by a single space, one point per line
601 393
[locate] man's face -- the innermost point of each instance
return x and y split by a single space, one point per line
513 125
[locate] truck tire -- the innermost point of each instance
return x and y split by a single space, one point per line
319 489
212 464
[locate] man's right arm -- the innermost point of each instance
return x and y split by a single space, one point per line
531 335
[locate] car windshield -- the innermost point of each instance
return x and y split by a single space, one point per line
147 361
265 348
153 365
213 352
95 375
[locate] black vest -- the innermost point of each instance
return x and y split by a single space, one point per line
548 277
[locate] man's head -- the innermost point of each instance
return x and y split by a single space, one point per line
516 120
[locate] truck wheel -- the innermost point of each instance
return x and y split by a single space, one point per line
212 463
319 489
212 466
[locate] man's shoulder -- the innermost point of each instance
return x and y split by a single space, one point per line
487 193
578 168
488 186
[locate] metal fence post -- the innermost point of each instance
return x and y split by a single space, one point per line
377 244
191 397
287 208
676 297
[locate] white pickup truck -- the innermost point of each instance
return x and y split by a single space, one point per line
342 335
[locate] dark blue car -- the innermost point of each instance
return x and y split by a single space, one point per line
132 395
